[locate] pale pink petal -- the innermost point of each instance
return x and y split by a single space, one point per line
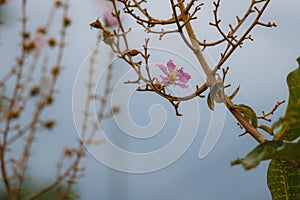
162 68
182 76
174 76
40 42
171 65
164 79
110 20
182 85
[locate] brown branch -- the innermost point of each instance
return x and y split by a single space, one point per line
244 122
211 80
205 44
189 6
59 179
182 21
218 21
90 86
269 24
246 33
151 21
152 88
146 58
45 189
265 115
195 47
19 73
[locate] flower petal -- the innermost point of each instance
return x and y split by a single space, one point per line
164 79
39 41
162 68
110 20
173 75
171 65
182 76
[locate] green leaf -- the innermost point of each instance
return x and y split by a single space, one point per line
210 102
290 123
270 150
216 92
248 113
283 172
283 177
283 180
234 93
266 128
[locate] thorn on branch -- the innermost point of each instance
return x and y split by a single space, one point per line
225 71
212 24
241 127
199 95
240 135
227 86
231 30
257 10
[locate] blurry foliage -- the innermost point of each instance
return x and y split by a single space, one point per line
31 185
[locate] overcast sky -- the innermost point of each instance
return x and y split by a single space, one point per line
260 67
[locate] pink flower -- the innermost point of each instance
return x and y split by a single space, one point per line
110 20
174 76
39 42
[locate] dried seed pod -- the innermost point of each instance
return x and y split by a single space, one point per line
34 91
41 30
52 42
55 71
14 114
49 124
132 52
67 21
68 152
115 108
97 24
49 100
28 45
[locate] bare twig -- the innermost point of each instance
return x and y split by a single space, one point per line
265 115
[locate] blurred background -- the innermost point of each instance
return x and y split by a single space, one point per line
260 67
